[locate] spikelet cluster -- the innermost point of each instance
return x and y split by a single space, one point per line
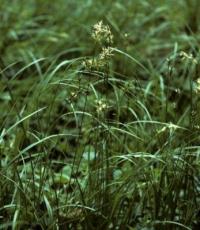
101 106
102 35
184 56
198 85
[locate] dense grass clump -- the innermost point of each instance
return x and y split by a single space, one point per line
99 114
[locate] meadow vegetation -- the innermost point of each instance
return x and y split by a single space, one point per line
99 114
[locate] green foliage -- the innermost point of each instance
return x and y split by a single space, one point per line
99 114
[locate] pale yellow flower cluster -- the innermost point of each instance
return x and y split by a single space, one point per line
102 33
106 53
184 56
101 106
198 85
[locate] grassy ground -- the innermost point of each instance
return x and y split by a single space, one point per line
99 114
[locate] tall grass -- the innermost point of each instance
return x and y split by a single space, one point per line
100 130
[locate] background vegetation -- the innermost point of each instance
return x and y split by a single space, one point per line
99 114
